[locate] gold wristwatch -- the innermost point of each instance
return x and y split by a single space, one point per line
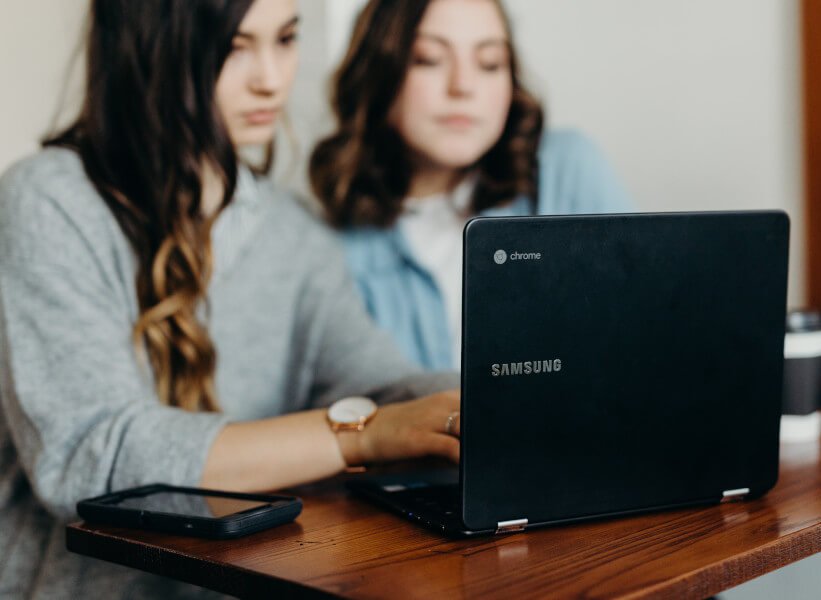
351 414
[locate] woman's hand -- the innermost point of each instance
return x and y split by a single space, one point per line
281 452
422 427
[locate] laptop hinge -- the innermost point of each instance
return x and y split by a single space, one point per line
738 494
511 526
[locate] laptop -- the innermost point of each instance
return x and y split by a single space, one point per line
611 365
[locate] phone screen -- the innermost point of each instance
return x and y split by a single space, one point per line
196 505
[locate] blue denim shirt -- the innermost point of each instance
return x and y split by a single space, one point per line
402 296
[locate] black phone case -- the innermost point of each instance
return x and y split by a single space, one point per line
97 510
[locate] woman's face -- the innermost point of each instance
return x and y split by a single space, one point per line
257 76
456 96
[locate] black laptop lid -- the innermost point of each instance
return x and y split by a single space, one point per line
619 362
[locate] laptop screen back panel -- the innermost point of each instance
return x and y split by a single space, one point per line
619 363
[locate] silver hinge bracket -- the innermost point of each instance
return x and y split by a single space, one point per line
511 526
730 495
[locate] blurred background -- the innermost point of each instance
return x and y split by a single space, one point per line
697 104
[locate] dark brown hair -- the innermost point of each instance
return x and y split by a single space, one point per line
148 125
361 173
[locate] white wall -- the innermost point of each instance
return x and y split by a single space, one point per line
37 40
307 113
696 103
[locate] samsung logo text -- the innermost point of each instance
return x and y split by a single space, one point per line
526 368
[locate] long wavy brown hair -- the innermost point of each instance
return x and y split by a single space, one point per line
361 173
148 126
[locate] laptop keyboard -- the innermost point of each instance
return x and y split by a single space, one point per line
440 500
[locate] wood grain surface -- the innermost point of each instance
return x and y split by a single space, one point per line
341 546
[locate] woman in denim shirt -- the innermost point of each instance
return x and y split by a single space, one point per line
435 127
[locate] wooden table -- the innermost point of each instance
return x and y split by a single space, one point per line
341 546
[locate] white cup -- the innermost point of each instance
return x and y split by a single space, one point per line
801 420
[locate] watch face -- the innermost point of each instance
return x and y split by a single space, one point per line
351 410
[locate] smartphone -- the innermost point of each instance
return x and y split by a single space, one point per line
190 511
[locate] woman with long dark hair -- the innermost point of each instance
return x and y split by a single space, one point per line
434 126
162 309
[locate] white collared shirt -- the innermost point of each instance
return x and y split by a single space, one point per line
433 228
